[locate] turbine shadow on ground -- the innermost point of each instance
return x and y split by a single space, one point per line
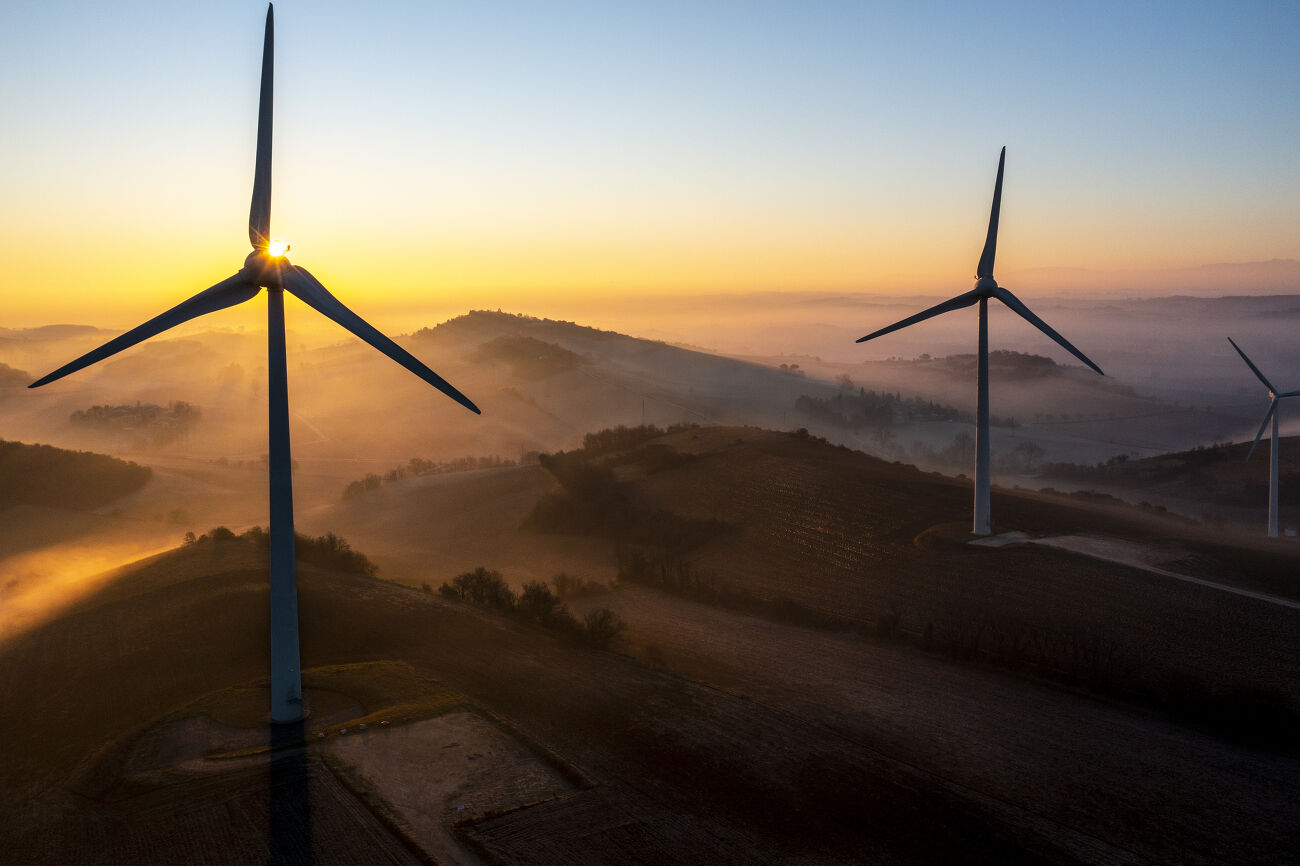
289 836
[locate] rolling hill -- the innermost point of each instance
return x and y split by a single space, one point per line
646 762
135 733
544 383
805 527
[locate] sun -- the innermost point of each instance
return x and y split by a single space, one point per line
277 248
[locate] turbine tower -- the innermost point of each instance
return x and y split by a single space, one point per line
267 268
1271 413
985 287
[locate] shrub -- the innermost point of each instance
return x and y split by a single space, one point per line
328 550
564 622
537 603
486 587
356 488
332 551
601 626
568 586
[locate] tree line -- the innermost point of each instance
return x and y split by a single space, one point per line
418 466
871 409
538 604
328 551
160 424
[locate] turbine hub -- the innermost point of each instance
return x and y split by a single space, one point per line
986 285
263 269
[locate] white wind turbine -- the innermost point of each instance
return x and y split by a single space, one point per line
985 287
267 268
1271 413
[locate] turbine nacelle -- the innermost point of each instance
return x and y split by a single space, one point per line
262 269
986 286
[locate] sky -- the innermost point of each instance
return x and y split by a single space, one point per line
479 155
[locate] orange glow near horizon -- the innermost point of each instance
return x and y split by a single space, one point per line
108 283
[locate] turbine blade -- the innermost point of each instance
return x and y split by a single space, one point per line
309 290
1253 368
259 212
1272 407
1289 394
964 300
227 293
1014 303
985 268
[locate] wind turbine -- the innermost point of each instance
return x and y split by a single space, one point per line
267 268
1271 413
985 287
